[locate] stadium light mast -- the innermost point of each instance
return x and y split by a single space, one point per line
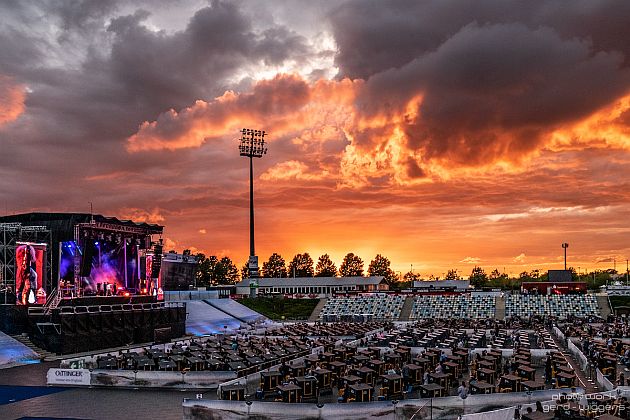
252 145
565 246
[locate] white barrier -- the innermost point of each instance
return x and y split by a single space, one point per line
574 350
139 379
559 333
446 407
603 382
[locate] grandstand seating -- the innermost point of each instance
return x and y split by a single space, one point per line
561 306
377 307
453 306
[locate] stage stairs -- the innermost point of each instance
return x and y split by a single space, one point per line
44 354
318 310
405 312
52 302
604 305
499 313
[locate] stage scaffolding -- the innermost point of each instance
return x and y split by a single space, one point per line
10 235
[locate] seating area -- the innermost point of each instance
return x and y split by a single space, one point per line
560 306
370 307
453 306
212 353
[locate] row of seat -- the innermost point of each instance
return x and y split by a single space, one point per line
561 306
453 306
377 307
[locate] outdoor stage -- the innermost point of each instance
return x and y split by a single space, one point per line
79 282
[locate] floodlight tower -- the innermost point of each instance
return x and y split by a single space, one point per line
565 246
252 145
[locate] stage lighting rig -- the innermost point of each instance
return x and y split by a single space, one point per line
252 145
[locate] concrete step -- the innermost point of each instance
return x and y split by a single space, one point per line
28 343
604 305
318 309
500 308
582 380
405 313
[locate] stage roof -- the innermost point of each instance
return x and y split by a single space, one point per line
46 219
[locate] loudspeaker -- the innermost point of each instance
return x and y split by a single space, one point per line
89 250
157 260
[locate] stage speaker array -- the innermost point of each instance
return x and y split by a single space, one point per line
90 331
86 261
157 261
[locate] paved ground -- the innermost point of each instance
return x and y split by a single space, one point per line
80 403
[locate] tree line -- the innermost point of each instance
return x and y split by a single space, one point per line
214 271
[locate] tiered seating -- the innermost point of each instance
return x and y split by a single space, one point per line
561 306
377 307
453 306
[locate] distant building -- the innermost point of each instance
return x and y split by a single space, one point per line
178 271
313 286
559 276
441 285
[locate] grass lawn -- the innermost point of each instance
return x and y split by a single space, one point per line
275 308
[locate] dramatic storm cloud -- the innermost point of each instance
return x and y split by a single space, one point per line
443 134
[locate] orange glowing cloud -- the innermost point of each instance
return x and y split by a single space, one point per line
12 98
342 142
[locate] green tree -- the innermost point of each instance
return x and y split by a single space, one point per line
245 271
205 269
301 266
411 277
275 266
381 266
351 266
497 275
325 267
452 275
478 277
226 272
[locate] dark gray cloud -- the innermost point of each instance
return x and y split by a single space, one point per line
376 35
495 77
118 73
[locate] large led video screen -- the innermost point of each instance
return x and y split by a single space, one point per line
106 267
30 270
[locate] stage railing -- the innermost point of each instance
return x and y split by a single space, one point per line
112 308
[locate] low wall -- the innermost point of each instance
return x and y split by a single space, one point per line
559 333
141 379
580 357
603 382
437 408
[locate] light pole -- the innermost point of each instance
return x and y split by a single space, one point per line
565 246
252 145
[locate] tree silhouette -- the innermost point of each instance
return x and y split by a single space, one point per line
274 266
478 277
301 266
381 266
325 267
225 272
245 271
351 266
452 275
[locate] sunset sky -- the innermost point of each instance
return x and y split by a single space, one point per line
442 134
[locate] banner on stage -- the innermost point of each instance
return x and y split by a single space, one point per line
68 377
